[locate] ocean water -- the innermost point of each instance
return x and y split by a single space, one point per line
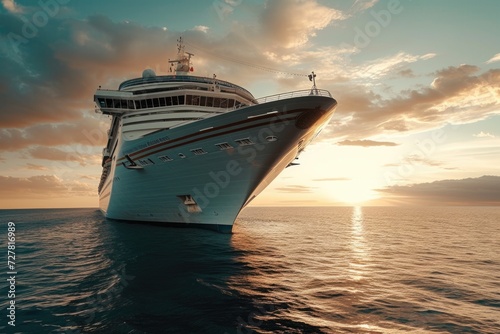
283 270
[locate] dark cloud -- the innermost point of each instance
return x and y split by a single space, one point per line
483 190
365 143
56 154
88 131
407 73
53 75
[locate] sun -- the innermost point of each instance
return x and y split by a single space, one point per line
352 192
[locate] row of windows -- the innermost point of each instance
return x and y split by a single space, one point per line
192 100
197 151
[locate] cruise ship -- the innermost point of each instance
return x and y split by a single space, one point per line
194 151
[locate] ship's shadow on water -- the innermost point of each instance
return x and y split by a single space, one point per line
173 280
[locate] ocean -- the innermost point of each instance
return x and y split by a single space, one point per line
283 270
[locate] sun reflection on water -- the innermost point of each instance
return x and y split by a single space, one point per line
358 246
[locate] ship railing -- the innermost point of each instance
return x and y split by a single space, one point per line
297 93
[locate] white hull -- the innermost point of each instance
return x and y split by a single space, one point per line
220 182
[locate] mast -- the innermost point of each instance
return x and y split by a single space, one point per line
183 61
312 77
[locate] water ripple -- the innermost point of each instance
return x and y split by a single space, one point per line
298 270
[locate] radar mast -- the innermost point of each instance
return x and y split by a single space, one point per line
183 62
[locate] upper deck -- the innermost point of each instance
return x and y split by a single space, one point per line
181 79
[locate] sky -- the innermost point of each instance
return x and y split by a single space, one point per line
417 85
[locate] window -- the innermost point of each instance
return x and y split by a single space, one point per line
196 101
143 104
223 103
168 100
181 99
109 103
130 104
198 151
189 99
145 162
216 102
137 104
224 146
123 104
203 101
150 103
210 102
165 158
244 141
162 101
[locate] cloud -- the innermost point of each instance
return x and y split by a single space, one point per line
87 131
457 95
48 82
387 65
484 135
332 179
225 8
203 29
53 76
493 59
295 189
419 159
290 23
90 177
483 190
56 154
366 143
361 5
12 6
35 167
406 73
41 186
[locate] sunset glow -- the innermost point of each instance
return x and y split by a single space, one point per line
417 85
